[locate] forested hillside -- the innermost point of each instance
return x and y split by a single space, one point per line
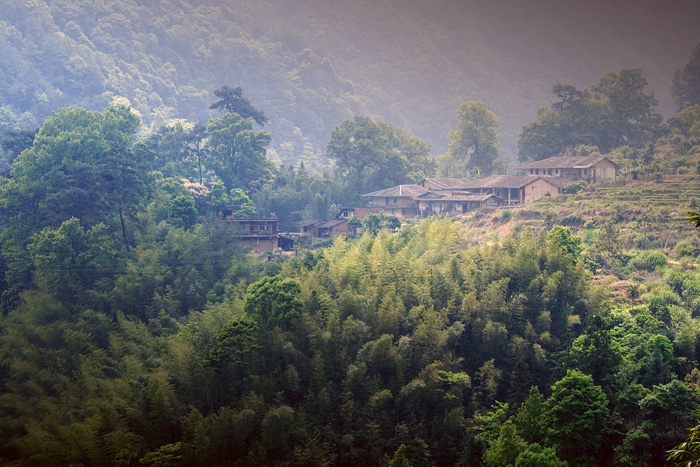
310 65
135 330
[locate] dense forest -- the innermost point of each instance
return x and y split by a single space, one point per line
135 330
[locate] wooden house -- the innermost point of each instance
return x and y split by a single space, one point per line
396 201
512 189
589 168
332 228
309 227
454 202
259 233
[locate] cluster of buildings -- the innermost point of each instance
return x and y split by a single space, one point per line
446 196
455 196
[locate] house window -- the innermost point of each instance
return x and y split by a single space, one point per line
537 171
394 200
556 171
585 171
549 171
386 200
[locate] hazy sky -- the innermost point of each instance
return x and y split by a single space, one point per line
507 53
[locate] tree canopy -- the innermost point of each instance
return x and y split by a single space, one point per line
474 142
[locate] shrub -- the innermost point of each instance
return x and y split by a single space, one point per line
649 260
575 187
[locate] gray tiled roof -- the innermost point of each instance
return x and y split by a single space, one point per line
398 191
581 162
446 183
331 223
452 195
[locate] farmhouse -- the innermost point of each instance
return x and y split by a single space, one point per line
396 201
453 202
589 168
332 228
511 189
259 234
309 227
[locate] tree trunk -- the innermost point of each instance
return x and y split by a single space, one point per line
121 220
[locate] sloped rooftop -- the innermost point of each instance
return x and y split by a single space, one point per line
447 183
582 162
398 191
452 195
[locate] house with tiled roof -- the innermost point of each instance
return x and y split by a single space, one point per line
512 189
590 168
454 202
396 201
308 227
332 228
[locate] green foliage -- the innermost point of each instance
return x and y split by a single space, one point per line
613 113
475 141
538 456
649 260
70 260
687 121
232 101
506 449
576 418
686 84
236 152
575 187
399 459
274 301
371 155
182 212
687 453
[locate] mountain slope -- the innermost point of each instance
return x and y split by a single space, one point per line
311 64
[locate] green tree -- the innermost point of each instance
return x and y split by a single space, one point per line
70 260
538 456
232 101
543 137
686 81
232 355
687 121
274 300
506 449
236 153
82 164
475 140
687 453
182 212
371 155
577 418
629 113
195 139
399 459
596 354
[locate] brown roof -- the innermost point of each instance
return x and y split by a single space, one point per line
446 183
309 222
582 162
398 191
452 195
331 223
503 181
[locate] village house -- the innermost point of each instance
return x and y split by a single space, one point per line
309 227
258 234
454 202
511 189
589 168
332 228
396 201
